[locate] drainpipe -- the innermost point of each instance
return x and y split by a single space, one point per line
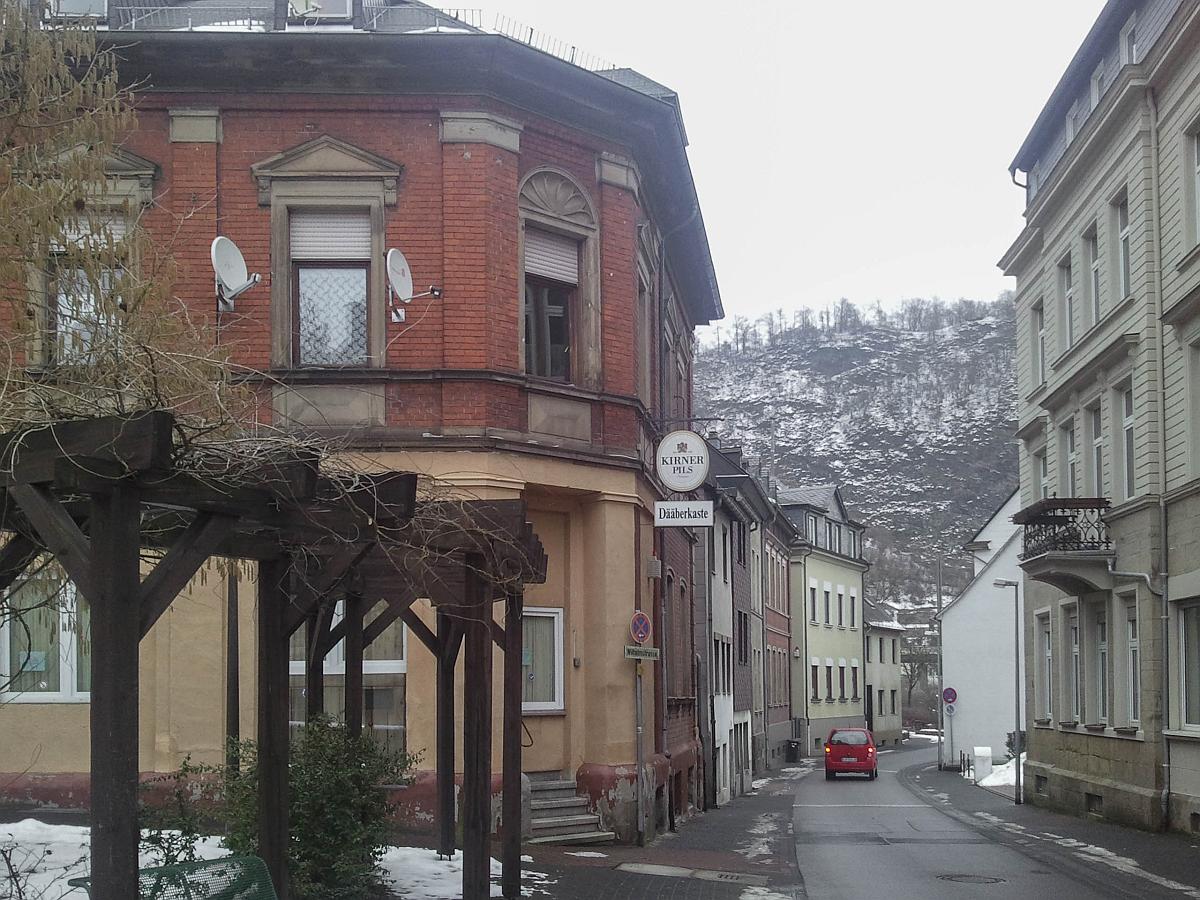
1164 556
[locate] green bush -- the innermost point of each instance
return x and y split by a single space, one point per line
338 812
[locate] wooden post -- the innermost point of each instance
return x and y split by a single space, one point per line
477 735
449 639
510 849
273 721
314 665
115 578
354 663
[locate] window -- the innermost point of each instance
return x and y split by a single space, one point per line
853 611
1128 42
810 528
868 649
895 651
1041 470
743 638
842 682
882 658
725 553
829 683
331 271
1097 461
812 598
854 682
830 528
1070 459
1097 86
841 606
1189 663
741 544
542 659
45 642
1101 626
816 678
1076 693
81 303
1066 290
1124 281
1091 249
1132 659
880 707
551 281
893 702
1127 443
1045 677
385 670
324 9
1039 343
827 593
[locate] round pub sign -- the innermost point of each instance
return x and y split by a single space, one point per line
682 460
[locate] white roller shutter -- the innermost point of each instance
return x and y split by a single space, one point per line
330 234
551 256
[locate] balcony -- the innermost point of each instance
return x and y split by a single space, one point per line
1066 543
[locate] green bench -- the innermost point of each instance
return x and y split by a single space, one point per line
229 878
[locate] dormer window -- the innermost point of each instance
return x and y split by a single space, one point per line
78 9
319 9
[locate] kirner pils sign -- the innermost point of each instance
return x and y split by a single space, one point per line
682 461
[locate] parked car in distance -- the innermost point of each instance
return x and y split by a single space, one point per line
850 750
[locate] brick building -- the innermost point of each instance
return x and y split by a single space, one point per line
555 208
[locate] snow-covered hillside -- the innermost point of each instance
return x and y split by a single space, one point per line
917 426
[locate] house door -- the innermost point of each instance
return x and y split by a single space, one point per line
870 707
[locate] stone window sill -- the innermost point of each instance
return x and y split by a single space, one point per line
1178 735
1071 724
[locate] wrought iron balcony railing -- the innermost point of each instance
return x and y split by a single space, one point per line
1064 525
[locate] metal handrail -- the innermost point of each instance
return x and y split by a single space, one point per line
1064 525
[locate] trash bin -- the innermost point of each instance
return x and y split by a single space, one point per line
793 751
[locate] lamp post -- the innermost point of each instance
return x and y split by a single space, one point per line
1004 583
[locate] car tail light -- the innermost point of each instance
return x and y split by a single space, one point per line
828 749
870 750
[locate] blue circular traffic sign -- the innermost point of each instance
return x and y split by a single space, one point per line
949 695
640 628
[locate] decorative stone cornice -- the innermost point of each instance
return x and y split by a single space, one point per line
195 126
481 128
621 172
554 196
326 158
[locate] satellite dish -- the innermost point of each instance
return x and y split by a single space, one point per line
399 275
233 278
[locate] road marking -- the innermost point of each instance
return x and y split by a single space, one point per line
859 806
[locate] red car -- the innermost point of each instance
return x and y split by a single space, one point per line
850 750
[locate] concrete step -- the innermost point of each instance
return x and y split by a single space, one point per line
587 837
565 825
555 784
560 803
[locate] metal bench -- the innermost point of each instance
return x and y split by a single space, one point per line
228 878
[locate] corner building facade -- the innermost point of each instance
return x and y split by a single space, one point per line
554 207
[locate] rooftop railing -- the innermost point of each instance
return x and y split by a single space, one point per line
1064 525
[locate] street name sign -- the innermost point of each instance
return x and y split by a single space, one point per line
681 461
633 652
676 513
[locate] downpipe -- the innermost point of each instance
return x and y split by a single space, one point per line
1164 554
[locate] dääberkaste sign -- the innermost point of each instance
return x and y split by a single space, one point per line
694 513
682 460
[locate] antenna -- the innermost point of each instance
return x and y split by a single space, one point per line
233 279
400 281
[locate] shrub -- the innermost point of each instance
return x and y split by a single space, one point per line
338 811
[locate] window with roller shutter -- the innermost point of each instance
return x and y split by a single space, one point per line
331 265
551 279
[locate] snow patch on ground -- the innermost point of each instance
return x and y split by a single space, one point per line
765 827
588 854
1003 776
762 893
61 852
759 783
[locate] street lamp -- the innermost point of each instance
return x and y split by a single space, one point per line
1005 583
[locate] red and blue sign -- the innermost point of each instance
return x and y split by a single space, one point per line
640 627
950 695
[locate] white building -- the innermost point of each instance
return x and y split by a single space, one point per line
977 641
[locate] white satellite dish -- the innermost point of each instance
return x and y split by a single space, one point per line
233 278
399 275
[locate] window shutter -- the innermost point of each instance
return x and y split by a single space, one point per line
331 234
551 256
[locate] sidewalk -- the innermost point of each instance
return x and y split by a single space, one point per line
741 851
1147 862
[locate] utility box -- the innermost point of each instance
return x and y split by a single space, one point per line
982 763
793 751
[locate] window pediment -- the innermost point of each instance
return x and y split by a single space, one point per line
554 197
326 158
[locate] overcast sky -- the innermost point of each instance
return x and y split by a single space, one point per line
855 149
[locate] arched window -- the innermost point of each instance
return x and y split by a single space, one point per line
559 280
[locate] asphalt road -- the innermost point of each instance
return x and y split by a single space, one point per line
857 838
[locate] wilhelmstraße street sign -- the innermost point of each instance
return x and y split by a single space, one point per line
633 652
675 513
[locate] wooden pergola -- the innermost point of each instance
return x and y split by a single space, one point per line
94 493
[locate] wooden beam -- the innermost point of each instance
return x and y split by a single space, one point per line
449 637
353 618
510 847
497 633
136 442
173 572
477 736
273 589
317 647
15 558
113 579
233 669
419 628
332 573
59 532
